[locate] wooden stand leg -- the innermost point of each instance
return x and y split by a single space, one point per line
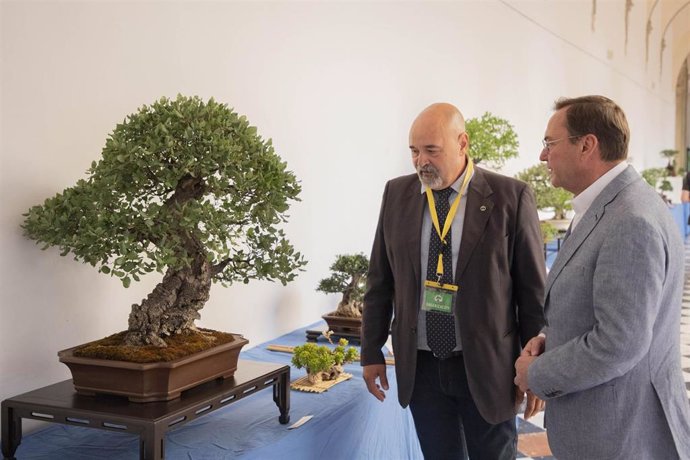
151 444
11 431
281 396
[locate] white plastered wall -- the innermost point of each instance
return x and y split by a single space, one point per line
335 85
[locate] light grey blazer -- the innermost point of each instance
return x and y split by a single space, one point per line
611 373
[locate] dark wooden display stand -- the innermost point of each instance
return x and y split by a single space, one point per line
313 335
342 327
60 403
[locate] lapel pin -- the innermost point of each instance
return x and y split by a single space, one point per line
482 208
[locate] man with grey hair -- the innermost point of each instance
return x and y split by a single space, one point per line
457 265
609 364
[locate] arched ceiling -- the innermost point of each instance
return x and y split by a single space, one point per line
673 40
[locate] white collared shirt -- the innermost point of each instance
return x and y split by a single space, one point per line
584 200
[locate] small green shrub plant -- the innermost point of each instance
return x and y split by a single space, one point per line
321 361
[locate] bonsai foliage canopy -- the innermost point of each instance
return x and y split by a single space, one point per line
493 140
657 178
670 155
349 277
186 188
323 362
547 195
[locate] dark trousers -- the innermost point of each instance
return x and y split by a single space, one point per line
447 421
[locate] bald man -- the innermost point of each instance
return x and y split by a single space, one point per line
457 264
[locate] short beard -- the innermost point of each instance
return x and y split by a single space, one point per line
435 181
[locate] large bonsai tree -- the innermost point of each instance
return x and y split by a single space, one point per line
547 195
492 140
184 187
349 277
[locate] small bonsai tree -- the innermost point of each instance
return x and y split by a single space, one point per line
548 231
652 176
670 156
547 195
184 187
321 361
493 140
349 277
657 178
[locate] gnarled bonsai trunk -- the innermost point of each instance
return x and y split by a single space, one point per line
352 309
348 306
174 304
172 307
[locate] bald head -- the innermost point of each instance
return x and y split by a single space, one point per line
444 114
438 144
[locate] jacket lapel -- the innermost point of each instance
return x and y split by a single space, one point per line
414 213
587 224
477 212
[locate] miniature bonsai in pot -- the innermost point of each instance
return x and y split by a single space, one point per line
657 178
321 361
548 231
493 140
186 188
349 277
670 155
547 196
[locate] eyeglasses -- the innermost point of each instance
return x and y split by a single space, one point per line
547 144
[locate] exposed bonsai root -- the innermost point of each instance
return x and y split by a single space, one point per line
353 309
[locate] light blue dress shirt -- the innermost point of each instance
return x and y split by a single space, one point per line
456 236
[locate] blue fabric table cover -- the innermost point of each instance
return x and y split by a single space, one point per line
348 423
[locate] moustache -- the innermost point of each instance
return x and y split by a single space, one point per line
427 169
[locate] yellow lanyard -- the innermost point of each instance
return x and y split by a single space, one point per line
451 213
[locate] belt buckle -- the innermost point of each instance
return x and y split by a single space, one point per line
452 354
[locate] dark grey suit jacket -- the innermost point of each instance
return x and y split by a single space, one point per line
500 274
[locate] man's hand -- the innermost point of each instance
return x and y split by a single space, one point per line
370 374
534 405
534 347
521 366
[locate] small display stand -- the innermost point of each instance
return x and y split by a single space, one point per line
342 327
352 337
60 403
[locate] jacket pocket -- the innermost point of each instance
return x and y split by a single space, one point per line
585 424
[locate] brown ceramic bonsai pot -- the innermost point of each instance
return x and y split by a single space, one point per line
344 325
148 382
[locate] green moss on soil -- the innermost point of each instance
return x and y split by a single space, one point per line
179 346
